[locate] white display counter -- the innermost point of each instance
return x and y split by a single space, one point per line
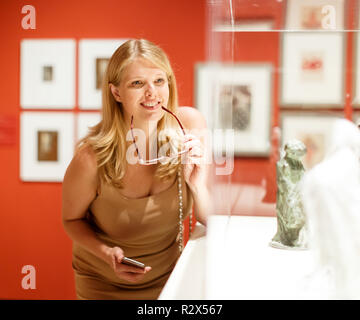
234 261
187 279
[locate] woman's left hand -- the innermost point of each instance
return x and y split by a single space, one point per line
194 162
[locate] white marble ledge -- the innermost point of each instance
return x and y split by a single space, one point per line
186 282
235 261
241 264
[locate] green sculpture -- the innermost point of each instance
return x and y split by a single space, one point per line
291 228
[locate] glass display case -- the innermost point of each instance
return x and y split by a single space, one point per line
276 70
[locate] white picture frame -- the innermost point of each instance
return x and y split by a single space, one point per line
312 70
315 15
249 86
84 121
47 73
89 51
32 126
313 129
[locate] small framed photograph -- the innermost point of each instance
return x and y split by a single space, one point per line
47 76
48 73
86 120
312 70
315 15
314 130
237 98
94 55
46 145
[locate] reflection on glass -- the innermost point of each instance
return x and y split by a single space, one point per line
235 101
311 17
315 14
312 66
315 146
314 51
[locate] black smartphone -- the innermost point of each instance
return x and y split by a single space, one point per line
132 262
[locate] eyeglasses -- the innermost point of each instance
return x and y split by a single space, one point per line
162 158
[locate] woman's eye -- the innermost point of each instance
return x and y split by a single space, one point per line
160 81
136 83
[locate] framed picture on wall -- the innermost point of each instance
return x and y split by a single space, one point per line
314 130
84 121
237 98
46 145
315 15
312 70
94 55
47 74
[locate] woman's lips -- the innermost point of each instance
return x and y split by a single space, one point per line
150 105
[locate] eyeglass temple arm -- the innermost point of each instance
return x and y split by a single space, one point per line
132 127
132 134
177 119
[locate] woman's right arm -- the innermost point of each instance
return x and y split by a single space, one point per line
79 190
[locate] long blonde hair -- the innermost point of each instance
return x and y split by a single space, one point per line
108 137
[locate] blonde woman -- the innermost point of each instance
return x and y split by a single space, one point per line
133 180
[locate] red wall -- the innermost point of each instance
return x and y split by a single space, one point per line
31 232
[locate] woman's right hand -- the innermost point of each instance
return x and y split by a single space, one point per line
123 271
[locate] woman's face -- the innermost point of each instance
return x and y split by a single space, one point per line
143 90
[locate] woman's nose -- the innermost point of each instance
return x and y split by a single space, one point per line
150 90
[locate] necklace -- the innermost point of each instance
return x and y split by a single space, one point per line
181 219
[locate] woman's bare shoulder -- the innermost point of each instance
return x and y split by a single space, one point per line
84 162
191 118
86 155
80 184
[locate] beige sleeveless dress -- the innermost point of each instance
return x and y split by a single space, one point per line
146 229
